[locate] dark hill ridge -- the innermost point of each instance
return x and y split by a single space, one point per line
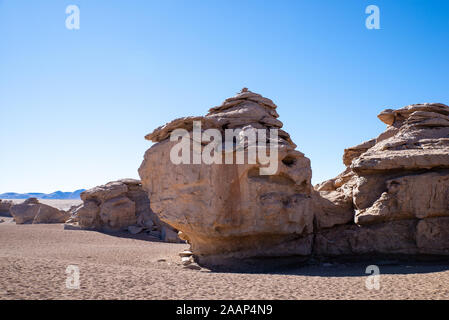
58 195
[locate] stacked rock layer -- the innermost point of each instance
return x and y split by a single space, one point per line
396 186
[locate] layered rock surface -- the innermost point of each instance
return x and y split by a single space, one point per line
31 211
121 205
393 197
397 185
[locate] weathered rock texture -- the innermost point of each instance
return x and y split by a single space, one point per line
121 205
5 206
393 198
397 185
31 211
231 208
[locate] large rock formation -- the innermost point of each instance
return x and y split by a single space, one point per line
231 208
121 205
31 211
391 199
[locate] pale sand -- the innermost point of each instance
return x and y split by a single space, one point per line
60 204
33 261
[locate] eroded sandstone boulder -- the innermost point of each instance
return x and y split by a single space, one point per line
231 209
5 206
403 173
121 205
31 211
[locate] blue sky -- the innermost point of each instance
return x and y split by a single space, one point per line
76 104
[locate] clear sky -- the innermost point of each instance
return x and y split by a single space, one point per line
75 104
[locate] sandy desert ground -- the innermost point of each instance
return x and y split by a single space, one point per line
34 258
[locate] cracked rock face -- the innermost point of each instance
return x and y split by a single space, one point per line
393 197
231 209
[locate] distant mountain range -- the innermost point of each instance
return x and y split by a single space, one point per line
58 195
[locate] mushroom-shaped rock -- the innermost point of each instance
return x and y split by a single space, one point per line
232 209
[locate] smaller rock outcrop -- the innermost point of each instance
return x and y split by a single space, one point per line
31 211
118 206
5 206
